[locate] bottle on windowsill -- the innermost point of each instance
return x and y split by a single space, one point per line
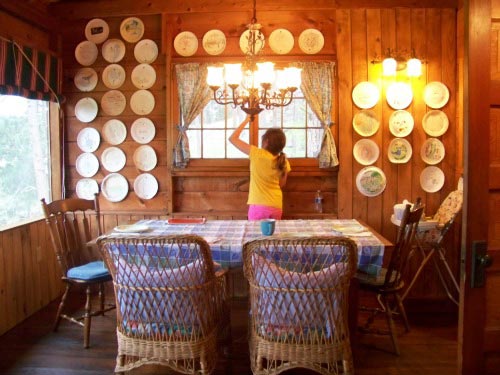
318 202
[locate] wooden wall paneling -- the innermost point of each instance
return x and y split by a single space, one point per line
495 51
4 285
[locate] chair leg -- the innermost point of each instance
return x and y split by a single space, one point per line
87 318
390 323
402 311
61 307
102 297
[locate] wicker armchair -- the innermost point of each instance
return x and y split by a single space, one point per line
298 301
171 301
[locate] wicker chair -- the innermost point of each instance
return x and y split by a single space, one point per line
388 285
171 298
71 229
298 301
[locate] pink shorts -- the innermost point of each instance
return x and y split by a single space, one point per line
258 212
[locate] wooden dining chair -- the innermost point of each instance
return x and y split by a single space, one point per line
73 223
298 303
172 307
389 284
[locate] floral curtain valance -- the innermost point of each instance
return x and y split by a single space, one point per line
29 72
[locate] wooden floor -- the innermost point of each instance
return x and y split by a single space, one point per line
32 348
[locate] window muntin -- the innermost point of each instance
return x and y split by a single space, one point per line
25 160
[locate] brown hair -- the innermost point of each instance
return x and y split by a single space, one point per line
276 141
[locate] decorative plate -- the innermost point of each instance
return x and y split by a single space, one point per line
88 139
311 41
132 29
436 95
259 41
365 95
86 109
97 31
399 151
146 186
435 123
114 132
214 42
281 41
401 123
143 130
365 151
114 187
113 102
365 123
86 188
86 53
142 102
86 79
146 51
113 76
145 158
432 151
87 164
186 43
399 95
431 179
113 50
143 76
371 181
113 159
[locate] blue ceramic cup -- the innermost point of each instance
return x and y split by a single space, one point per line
267 226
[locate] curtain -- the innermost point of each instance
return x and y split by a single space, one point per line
28 72
317 78
194 95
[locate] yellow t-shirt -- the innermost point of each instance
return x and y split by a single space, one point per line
265 179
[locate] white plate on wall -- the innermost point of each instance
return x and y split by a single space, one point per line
88 139
113 76
145 186
311 41
365 123
86 79
186 43
114 132
86 188
113 159
259 41
431 179
281 41
113 50
366 151
142 102
87 164
113 102
399 151
143 76
371 181
114 187
86 53
435 123
145 158
436 95
97 30
146 51
399 95
214 42
401 123
143 130
86 109
365 95
432 151
132 29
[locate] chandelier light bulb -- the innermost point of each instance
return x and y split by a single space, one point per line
389 66
414 67
233 74
215 76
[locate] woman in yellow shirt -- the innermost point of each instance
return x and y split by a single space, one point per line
269 169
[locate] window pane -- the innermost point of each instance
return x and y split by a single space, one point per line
295 143
214 116
214 142
314 137
24 158
233 152
270 118
294 114
194 137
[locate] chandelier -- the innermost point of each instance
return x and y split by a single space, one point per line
253 86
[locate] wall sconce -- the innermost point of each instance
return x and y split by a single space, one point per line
397 61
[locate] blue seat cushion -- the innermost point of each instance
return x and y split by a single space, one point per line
89 271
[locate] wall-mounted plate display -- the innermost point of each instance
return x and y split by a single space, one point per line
87 164
371 181
113 159
281 41
146 186
186 43
143 130
113 102
259 41
436 95
143 76
142 102
132 29
114 132
399 95
113 50
365 123
366 151
431 179
97 30
399 151
432 151
86 109
86 53
86 188
435 123
214 42
311 41
88 139
401 123
114 187
146 51
113 76
86 79
365 95
145 158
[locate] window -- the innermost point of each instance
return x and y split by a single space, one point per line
208 134
25 160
